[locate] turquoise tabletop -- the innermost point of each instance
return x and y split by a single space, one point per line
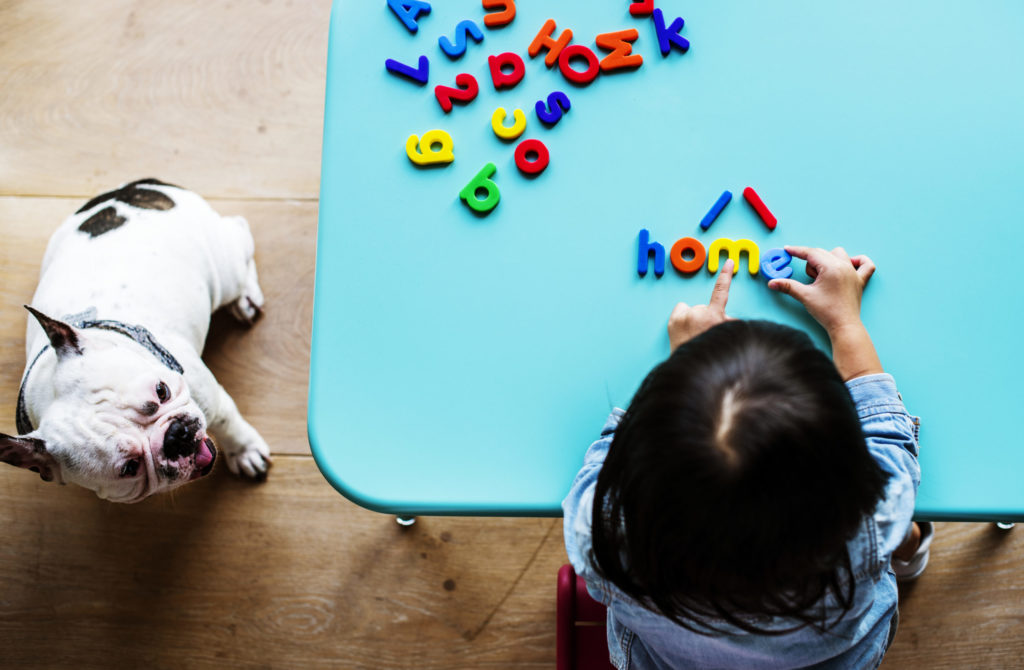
462 362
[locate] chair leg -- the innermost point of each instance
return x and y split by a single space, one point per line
565 630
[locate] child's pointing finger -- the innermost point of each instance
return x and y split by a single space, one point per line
720 293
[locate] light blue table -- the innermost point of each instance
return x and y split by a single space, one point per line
461 364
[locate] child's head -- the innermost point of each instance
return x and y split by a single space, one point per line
735 479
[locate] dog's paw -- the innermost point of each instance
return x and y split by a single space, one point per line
246 310
249 307
251 461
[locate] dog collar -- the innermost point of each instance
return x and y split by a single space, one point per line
86 320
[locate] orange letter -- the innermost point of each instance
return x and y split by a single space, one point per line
619 45
543 40
501 18
680 248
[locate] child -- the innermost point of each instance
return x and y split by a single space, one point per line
745 510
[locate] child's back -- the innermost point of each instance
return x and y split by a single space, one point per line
750 500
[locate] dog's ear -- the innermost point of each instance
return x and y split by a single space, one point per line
63 338
28 452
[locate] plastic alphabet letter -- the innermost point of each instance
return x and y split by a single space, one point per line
543 40
558 103
408 11
482 181
641 8
716 209
575 76
537 165
506 79
621 50
762 210
775 264
644 252
502 18
735 248
466 91
417 74
681 247
505 132
669 37
422 152
464 28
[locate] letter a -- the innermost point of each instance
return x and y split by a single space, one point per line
408 11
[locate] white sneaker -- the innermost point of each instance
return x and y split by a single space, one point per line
909 570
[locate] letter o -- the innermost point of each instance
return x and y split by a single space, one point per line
593 65
536 166
682 246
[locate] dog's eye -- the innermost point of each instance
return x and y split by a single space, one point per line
162 392
131 468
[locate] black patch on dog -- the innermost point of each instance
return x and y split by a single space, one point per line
103 221
169 472
144 198
149 409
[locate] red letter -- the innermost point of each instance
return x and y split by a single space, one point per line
641 8
537 165
585 77
467 91
506 79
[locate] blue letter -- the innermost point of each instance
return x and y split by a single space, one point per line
644 252
668 37
461 30
776 264
408 11
417 74
558 102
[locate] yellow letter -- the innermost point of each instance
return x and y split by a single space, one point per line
430 155
734 248
505 133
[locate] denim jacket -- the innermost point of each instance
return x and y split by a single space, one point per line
639 639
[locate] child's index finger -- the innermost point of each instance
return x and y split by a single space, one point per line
800 252
720 293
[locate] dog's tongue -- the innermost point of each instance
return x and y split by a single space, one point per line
205 454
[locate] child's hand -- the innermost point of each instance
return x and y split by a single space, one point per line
833 298
687 322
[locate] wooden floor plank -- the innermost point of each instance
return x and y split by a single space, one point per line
224 96
967 610
265 367
284 574
289 574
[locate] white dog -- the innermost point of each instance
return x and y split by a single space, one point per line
115 396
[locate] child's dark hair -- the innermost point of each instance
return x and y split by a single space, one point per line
734 481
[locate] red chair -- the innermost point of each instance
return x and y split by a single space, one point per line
580 639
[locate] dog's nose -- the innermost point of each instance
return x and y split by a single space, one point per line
179 441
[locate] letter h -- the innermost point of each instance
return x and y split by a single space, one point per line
644 253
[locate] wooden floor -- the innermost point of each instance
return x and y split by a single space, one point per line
226 97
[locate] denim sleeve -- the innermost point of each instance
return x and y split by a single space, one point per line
892 438
577 508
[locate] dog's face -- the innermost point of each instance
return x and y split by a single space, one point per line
121 423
